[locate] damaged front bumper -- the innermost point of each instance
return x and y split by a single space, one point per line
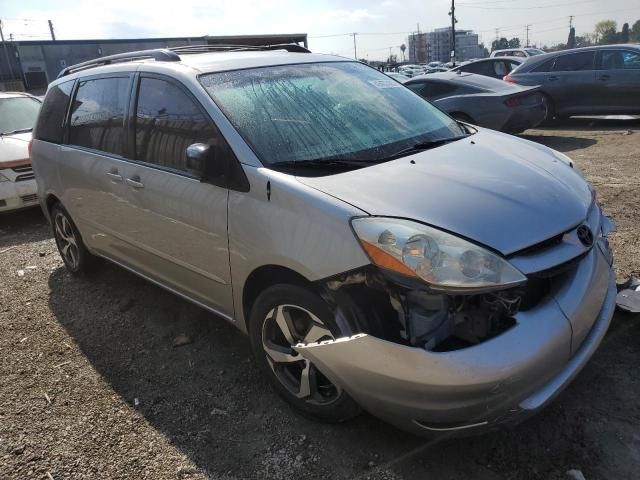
499 381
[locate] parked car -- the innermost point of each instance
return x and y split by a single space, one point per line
481 100
378 253
517 52
496 67
437 69
411 70
18 114
602 80
397 76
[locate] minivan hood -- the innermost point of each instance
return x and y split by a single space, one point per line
498 190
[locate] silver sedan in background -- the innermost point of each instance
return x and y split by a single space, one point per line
482 101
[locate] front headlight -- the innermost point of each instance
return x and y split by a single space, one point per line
442 260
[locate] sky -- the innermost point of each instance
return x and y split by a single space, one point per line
379 24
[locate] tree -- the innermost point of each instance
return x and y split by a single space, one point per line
624 36
605 31
585 40
514 43
403 47
483 49
635 32
500 44
571 43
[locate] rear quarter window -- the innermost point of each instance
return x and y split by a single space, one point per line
50 125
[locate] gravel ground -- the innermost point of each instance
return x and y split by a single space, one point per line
92 386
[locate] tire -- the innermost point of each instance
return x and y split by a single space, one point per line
282 316
74 253
551 109
462 117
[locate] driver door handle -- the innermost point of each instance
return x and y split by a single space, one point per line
134 182
604 78
114 176
552 78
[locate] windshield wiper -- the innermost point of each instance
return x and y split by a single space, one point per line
319 163
15 132
426 145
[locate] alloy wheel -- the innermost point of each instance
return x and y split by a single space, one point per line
66 240
284 327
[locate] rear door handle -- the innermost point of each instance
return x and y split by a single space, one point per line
134 182
114 176
552 78
604 78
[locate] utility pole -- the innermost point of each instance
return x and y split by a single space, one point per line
6 53
527 27
570 22
355 53
452 13
53 35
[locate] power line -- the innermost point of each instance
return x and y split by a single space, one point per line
513 7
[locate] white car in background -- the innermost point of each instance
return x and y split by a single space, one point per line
517 52
18 114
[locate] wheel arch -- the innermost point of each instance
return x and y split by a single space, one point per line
50 201
263 277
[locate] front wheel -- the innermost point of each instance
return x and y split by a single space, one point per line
283 316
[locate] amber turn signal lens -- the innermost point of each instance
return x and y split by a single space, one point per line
385 260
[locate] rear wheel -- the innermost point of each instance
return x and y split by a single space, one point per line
283 316
74 254
551 109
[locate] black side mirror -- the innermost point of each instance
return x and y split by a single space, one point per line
199 158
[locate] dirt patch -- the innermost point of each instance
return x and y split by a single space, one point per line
111 377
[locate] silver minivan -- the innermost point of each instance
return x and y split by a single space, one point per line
379 254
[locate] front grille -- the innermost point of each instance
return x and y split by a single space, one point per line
548 243
26 176
532 292
559 269
29 198
26 173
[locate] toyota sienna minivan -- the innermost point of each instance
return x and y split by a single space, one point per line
379 254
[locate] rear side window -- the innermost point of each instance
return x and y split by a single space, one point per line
439 89
167 122
97 114
50 125
545 66
574 62
619 60
476 67
499 69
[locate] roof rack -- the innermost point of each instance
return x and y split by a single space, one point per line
159 55
289 47
171 54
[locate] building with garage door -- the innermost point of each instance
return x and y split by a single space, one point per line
35 63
